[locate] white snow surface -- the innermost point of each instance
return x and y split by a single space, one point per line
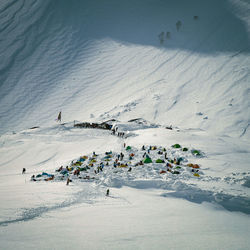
129 62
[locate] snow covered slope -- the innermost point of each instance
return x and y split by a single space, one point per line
95 60
178 64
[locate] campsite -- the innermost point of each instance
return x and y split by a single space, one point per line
145 162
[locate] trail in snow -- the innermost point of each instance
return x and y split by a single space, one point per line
87 195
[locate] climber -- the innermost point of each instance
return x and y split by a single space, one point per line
59 118
107 193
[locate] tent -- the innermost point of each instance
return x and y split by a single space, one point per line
196 152
176 146
148 160
159 161
122 166
128 148
78 163
50 178
195 166
176 172
180 159
107 156
64 172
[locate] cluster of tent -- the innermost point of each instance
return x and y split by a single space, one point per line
90 167
195 152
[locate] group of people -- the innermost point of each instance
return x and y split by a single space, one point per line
114 131
121 134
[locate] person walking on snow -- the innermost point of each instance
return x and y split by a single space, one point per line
59 118
68 181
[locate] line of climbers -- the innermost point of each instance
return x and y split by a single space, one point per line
114 131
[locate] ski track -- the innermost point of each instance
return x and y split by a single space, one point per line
90 194
188 192
33 213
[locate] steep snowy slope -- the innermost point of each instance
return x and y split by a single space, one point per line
170 62
95 60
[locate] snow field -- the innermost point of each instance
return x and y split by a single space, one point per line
132 218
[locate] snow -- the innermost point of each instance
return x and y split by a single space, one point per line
133 219
98 61
145 209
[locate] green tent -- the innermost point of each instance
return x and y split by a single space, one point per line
128 148
196 152
148 160
176 172
159 161
185 149
176 146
